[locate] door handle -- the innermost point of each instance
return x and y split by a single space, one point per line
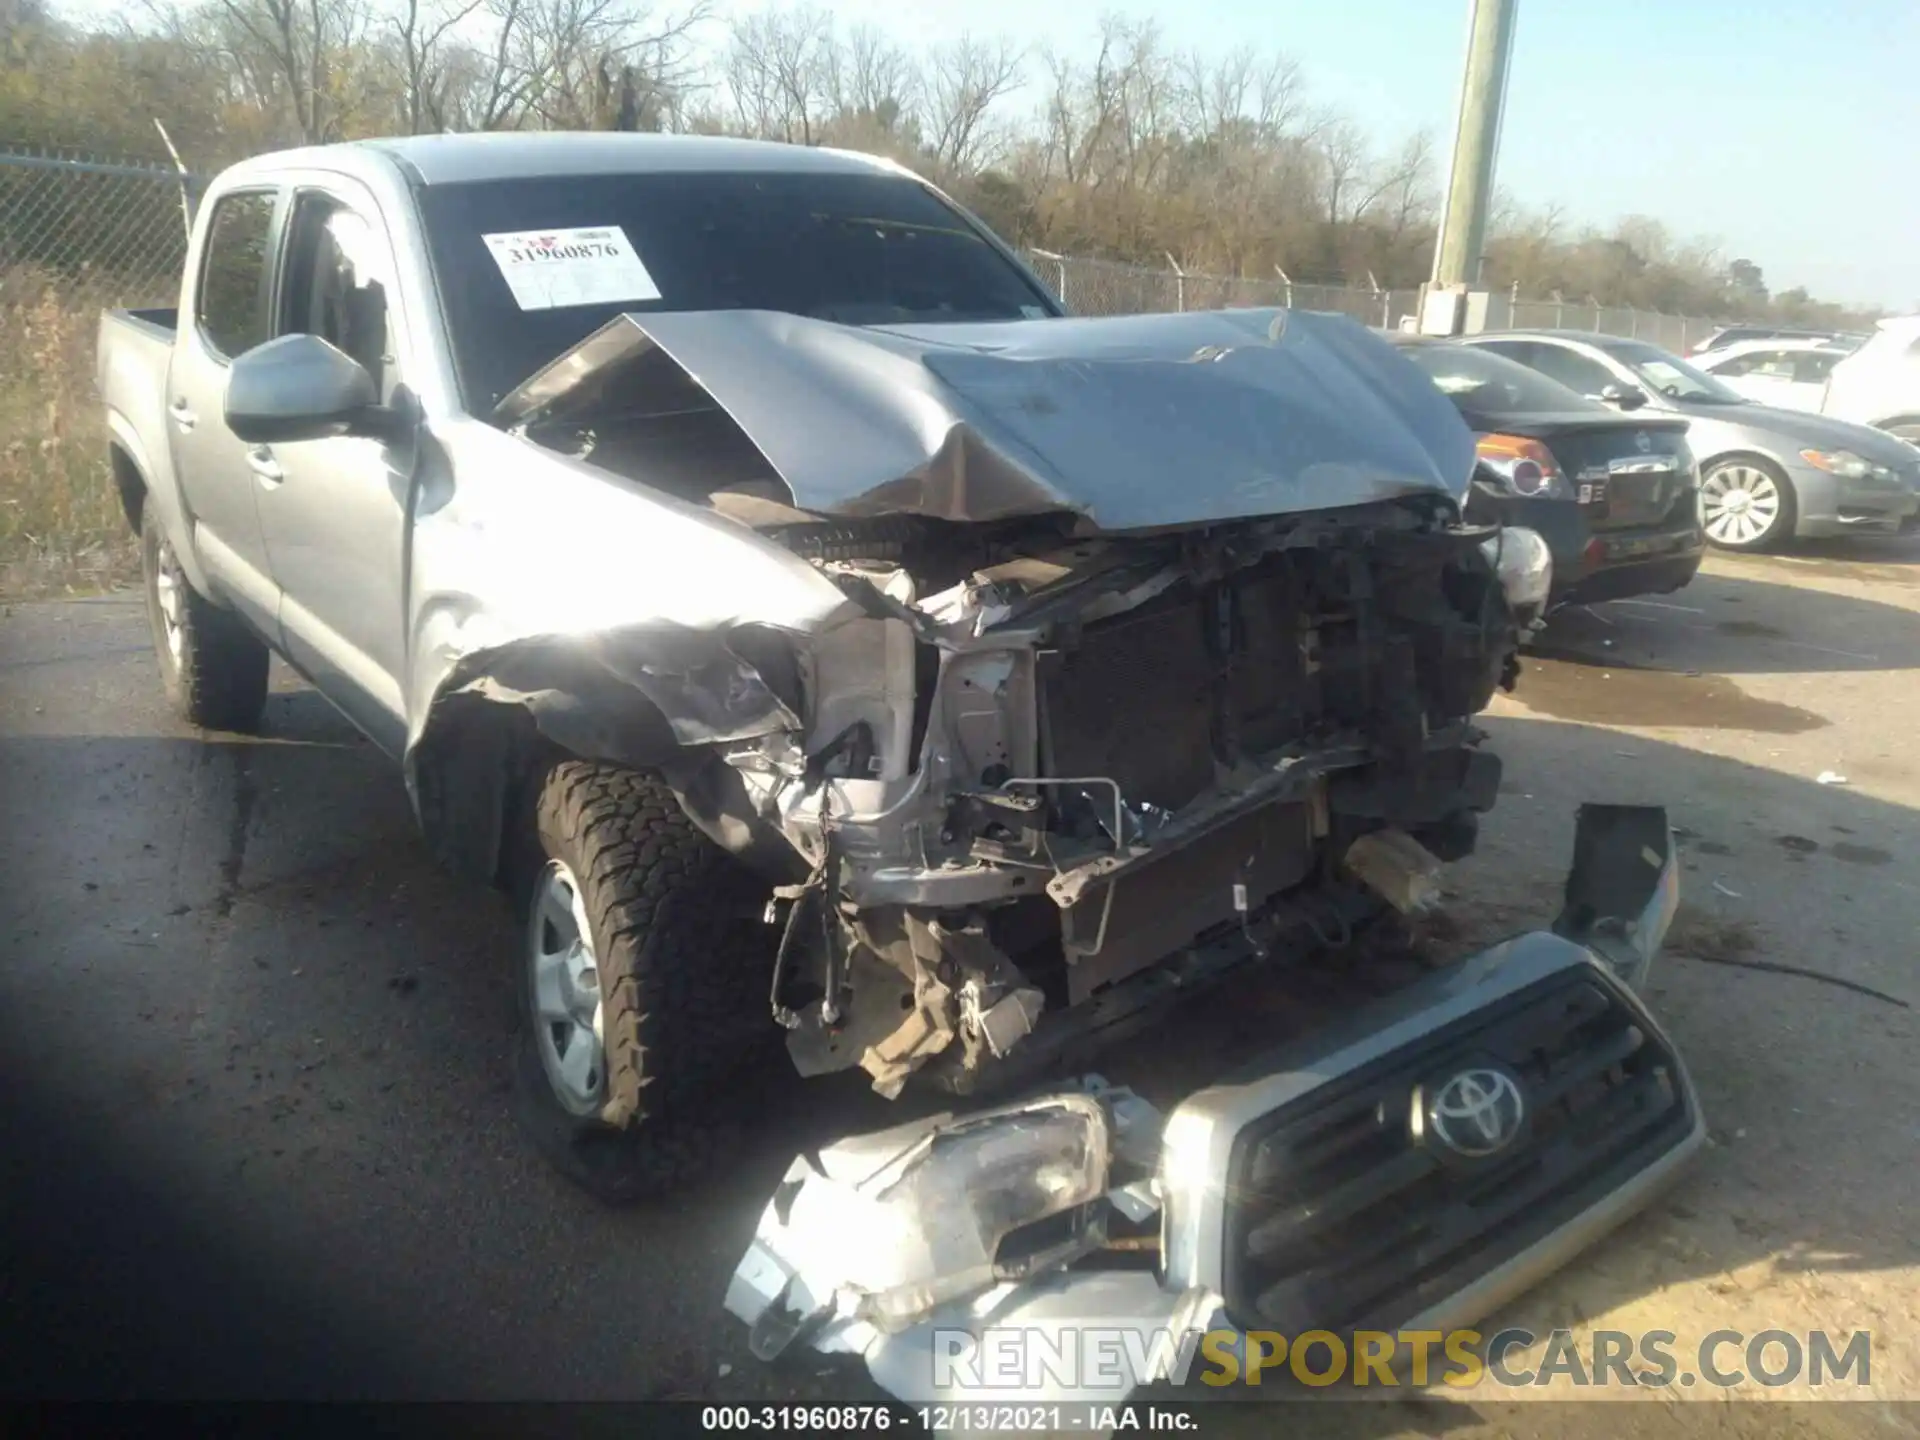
260 460
183 418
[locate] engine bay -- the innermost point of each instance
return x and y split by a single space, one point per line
1042 764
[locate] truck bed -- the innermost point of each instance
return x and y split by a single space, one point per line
135 352
160 322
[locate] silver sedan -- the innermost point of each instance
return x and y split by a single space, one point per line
1767 475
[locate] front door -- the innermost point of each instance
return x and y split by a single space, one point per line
335 511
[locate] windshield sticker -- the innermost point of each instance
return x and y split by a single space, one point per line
551 269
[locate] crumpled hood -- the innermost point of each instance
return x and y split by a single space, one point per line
1134 422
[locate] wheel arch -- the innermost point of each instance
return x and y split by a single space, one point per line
146 484
498 722
1748 457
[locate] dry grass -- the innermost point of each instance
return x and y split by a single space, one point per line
61 526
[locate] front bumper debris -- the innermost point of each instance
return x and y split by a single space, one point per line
1530 1072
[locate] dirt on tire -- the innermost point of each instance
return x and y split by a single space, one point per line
684 961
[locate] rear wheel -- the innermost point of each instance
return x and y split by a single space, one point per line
1748 503
642 980
213 668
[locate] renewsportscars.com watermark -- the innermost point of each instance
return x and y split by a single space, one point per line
1014 1359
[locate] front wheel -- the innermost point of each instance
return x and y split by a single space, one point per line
1748 504
213 668
642 977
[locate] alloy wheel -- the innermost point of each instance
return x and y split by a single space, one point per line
1742 504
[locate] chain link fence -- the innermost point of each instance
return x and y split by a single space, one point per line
79 234
1106 287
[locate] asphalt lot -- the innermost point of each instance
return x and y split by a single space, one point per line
257 1140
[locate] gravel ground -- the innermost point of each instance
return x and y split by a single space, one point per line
256 1137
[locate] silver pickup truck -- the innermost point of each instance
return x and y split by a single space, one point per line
756 573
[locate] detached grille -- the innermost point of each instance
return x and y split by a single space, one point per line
1338 1216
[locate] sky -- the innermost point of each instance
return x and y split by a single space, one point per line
1786 130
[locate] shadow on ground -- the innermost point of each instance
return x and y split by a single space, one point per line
1759 623
257 1135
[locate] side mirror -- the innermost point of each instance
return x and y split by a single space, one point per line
298 387
1625 397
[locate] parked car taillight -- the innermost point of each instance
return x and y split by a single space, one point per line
1523 466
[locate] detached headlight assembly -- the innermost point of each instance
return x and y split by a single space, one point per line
885 1228
1524 564
1844 463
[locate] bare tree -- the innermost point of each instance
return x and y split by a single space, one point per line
966 79
1343 156
563 62
1402 186
877 75
298 52
784 71
422 32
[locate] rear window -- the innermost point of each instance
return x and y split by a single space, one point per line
1478 381
231 307
856 249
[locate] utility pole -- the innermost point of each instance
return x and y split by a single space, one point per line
1463 225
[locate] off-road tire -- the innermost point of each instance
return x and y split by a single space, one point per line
684 960
218 678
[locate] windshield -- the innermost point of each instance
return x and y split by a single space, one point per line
529 268
1672 376
1478 380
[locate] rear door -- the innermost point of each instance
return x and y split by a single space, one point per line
216 473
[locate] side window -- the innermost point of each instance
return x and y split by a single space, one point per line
1727 369
337 285
1519 351
1774 364
1576 372
231 306
1813 369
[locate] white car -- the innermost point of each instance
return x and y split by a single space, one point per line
1791 374
1879 384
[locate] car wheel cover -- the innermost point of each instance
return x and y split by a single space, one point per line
1742 504
167 599
563 980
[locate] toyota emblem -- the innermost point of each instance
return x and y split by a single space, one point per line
1642 442
1477 1112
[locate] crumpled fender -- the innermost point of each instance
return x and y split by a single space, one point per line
529 600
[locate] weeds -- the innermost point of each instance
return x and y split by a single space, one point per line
60 515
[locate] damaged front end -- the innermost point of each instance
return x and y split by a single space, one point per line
1409 1169
1082 759
1087 658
